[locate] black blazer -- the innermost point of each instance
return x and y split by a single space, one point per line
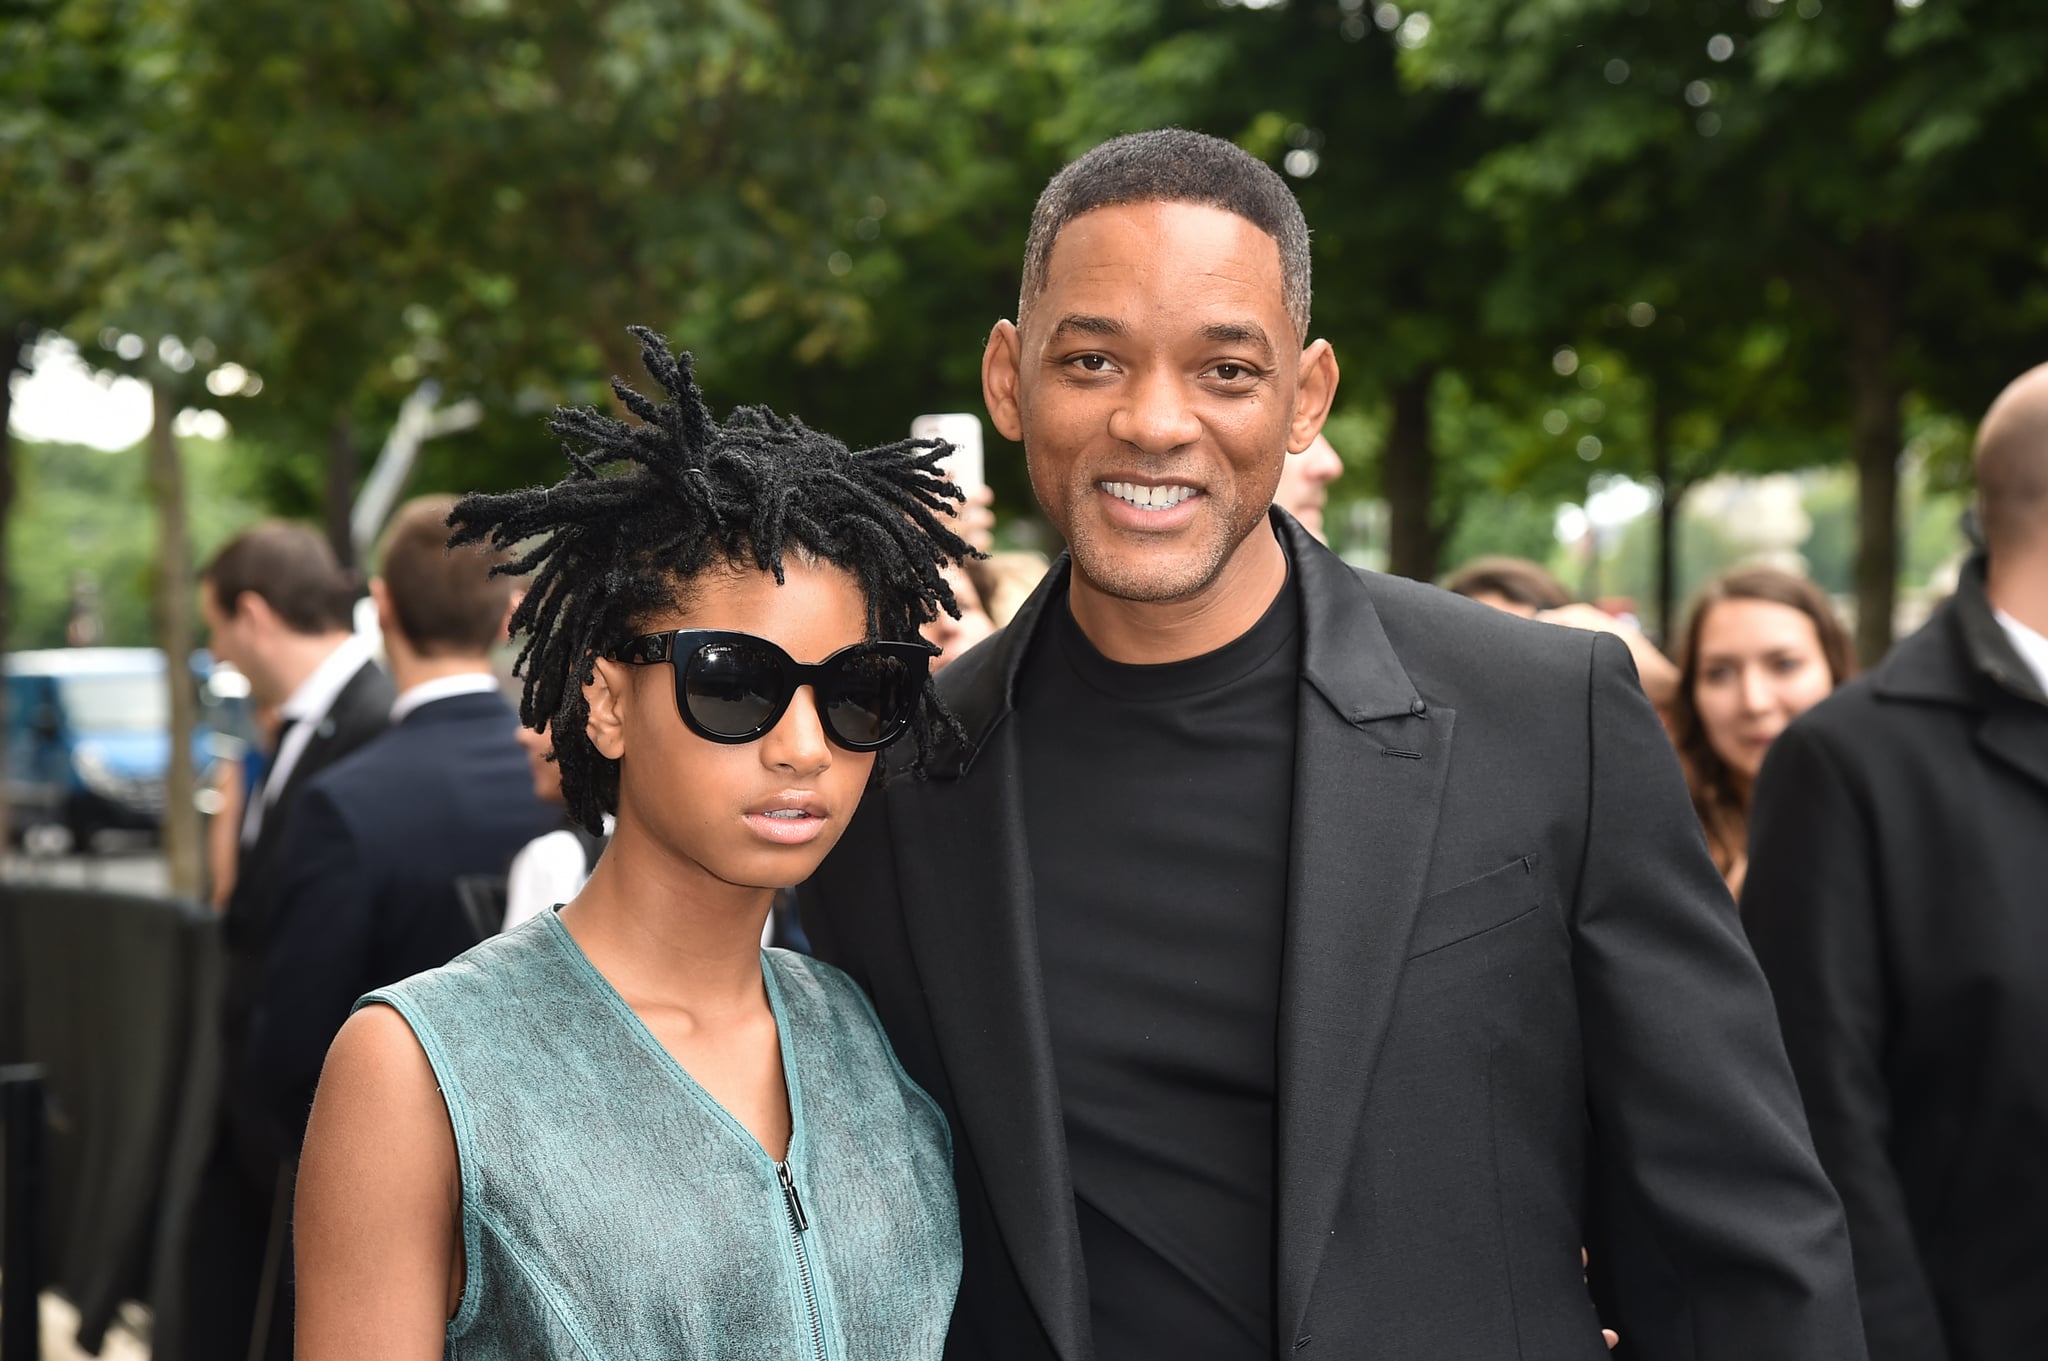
368 873
359 713
1898 900
1507 955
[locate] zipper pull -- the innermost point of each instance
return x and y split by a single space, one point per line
796 1204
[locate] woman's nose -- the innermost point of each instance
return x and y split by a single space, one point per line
797 743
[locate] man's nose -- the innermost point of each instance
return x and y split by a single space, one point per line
1156 416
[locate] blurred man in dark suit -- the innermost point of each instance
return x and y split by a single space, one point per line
367 873
1898 900
277 605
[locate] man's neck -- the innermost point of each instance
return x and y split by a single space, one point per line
409 670
2017 583
297 656
1149 633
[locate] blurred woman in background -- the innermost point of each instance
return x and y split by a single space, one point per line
1761 647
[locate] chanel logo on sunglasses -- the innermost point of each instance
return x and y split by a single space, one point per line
735 687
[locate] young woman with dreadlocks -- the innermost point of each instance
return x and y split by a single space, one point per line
623 1129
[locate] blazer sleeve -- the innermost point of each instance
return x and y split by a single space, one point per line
1811 904
319 950
1692 1101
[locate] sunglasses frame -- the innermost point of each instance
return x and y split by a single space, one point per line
678 647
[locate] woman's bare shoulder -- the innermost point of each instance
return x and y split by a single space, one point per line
379 1199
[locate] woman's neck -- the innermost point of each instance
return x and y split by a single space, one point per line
667 930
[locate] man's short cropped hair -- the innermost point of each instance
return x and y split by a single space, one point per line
445 600
293 569
1173 165
1514 579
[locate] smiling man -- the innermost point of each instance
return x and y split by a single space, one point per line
1288 989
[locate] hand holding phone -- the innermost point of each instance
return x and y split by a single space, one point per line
962 430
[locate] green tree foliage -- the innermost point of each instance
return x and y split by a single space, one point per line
487 194
1557 240
1827 184
84 517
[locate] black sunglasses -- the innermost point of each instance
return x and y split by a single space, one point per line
734 687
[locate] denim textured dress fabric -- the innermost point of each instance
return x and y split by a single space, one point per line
611 1209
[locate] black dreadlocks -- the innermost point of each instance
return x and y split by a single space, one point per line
647 507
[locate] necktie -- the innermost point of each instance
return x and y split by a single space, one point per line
259 794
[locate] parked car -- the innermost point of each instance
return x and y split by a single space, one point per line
88 740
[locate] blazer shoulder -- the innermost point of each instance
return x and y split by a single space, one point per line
1449 643
380 777
1862 726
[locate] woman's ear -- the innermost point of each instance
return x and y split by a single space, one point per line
608 696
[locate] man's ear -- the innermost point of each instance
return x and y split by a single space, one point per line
607 695
1314 390
397 647
380 596
254 610
1000 375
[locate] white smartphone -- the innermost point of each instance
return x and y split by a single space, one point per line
962 430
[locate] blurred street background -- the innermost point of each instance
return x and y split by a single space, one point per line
1637 289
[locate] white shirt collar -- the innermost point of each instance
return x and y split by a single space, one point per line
316 693
443 687
2032 647
304 709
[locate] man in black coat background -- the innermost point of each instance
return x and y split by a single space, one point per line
278 607
1898 900
1297 951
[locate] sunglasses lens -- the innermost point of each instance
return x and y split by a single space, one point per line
732 689
872 696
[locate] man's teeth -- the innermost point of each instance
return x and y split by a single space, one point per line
1148 498
786 813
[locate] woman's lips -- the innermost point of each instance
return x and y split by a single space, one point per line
786 826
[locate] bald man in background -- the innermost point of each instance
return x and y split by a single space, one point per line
1305 480
1898 900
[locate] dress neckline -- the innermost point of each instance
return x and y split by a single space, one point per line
580 964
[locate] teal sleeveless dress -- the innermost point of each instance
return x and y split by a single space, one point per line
611 1209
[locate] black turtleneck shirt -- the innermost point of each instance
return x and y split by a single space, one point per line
1158 801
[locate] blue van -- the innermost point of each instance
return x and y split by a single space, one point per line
89 740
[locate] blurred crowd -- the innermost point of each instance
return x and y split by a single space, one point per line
391 810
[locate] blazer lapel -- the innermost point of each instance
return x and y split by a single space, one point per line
967 899
1371 755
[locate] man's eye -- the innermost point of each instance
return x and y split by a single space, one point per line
1233 373
1093 363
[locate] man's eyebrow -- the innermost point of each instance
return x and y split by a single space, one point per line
1080 323
1238 333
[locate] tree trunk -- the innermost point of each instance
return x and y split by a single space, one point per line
15 339
344 471
1408 479
1670 495
181 832
1875 435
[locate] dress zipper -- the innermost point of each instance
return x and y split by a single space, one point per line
798 1225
